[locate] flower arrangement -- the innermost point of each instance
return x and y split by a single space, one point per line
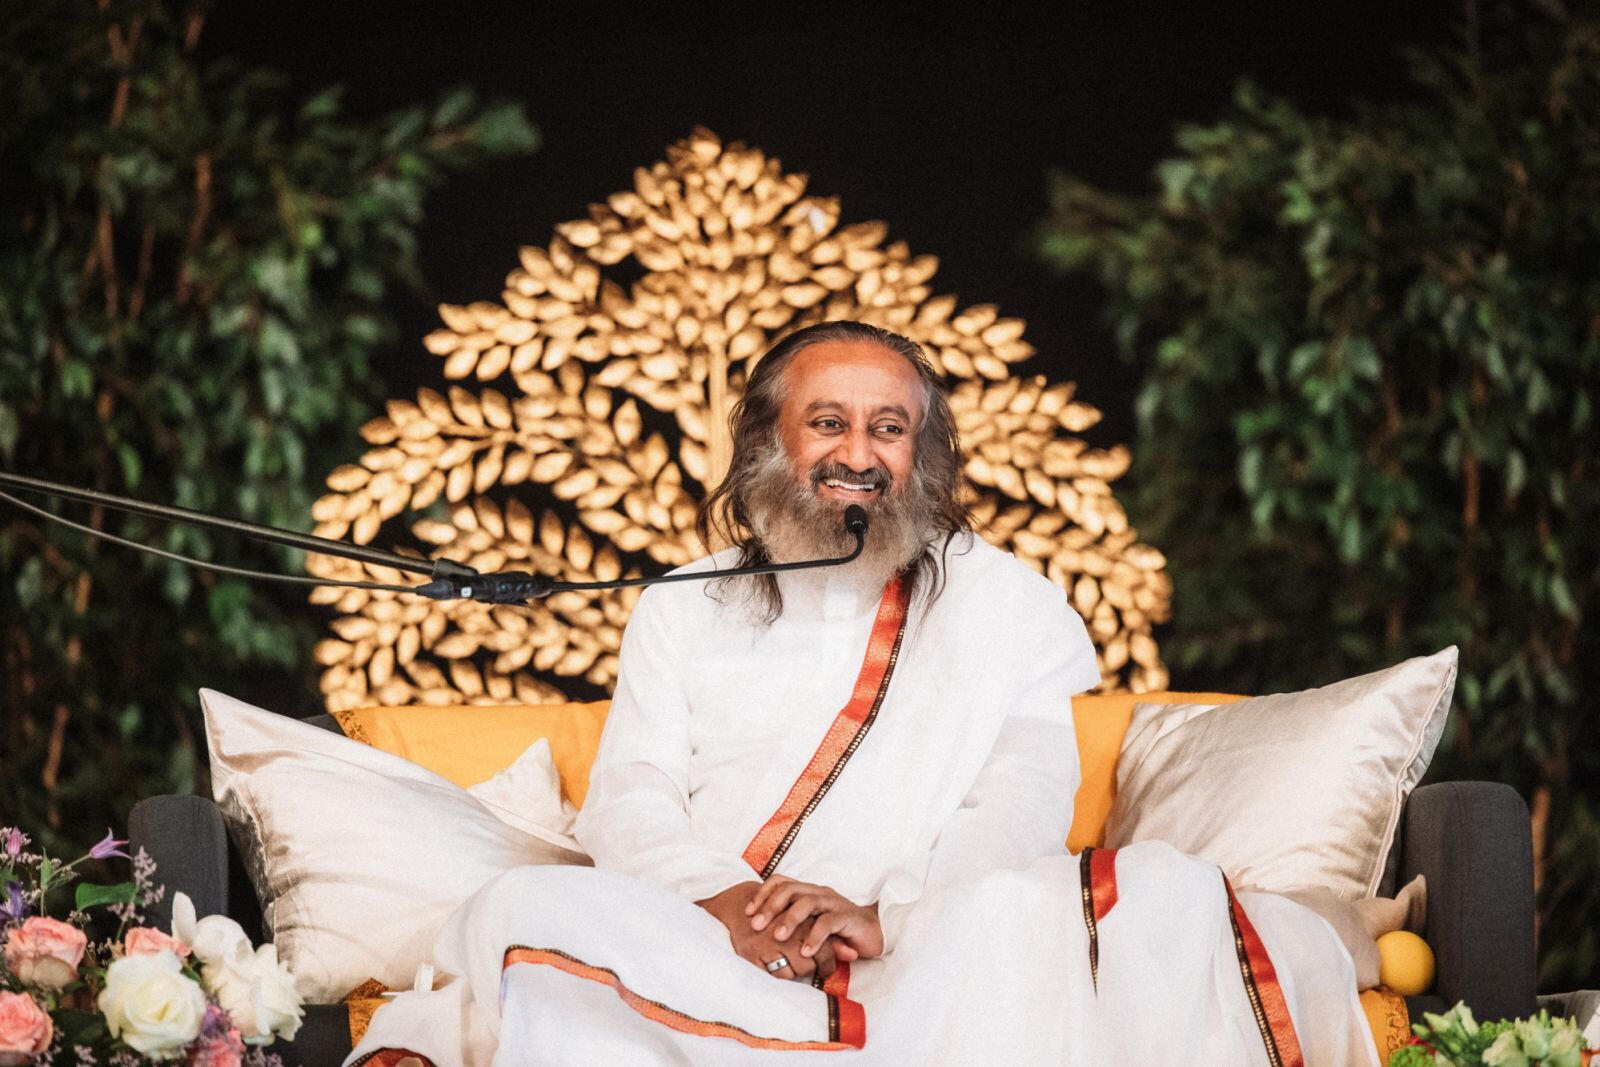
72 991
1456 1039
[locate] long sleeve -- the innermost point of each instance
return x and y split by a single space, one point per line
635 819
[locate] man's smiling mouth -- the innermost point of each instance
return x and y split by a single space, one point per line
853 487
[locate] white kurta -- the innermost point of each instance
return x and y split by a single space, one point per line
714 717
951 814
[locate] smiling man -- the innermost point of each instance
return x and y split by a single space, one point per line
829 807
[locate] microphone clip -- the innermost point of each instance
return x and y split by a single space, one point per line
509 587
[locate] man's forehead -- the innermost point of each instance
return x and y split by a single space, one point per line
845 372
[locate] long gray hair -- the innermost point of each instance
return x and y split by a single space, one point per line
937 465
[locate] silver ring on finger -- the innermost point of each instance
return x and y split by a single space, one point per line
778 964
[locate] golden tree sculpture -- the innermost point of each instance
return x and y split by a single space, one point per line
593 466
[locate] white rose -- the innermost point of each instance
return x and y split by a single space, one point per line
213 938
151 1004
257 992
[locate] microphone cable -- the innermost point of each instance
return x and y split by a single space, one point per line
448 580
205 565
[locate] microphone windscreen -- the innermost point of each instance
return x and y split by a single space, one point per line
855 519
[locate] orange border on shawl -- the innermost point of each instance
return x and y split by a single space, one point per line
847 1020
1262 987
671 1018
844 734
1097 871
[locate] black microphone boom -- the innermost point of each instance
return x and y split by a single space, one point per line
515 587
449 580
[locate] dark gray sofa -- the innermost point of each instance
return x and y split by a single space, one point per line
1470 839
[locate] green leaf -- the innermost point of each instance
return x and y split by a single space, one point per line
454 107
77 380
30 582
1303 359
91 895
132 465
1516 473
80 1028
1561 598
10 427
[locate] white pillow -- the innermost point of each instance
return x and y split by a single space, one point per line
358 856
1298 790
527 796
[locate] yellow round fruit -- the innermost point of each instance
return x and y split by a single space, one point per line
1405 963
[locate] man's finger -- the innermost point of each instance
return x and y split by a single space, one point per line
803 907
770 886
776 901
795 966
827 924
826 961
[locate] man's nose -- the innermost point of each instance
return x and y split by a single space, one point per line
855 451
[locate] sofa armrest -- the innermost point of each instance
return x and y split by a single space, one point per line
186 837
1473 843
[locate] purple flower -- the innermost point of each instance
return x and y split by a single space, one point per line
215 1022
15 909
106 847
14 840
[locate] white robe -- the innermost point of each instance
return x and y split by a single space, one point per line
951 814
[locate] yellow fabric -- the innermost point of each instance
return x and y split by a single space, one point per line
1405 963
471 744
1388 1019
1101 720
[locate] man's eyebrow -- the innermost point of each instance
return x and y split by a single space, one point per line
833 405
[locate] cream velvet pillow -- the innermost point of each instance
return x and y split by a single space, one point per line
359 856
1297 790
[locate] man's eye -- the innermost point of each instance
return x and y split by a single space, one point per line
890 429
828 424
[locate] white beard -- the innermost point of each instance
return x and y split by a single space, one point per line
793 522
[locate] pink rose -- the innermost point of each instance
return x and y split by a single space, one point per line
224 1050
25 1029
147 940
44 953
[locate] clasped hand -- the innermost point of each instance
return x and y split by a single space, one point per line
811 926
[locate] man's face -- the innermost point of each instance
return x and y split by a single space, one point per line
849 421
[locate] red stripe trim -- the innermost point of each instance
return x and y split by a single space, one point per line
1103 881
1097 875
1262 987
673 1019
850 1017
844 734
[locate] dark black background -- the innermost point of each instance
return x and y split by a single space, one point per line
943 120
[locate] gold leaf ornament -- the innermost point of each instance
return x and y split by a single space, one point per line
585 417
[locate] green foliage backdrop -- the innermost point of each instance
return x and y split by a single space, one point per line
192 279
1367 425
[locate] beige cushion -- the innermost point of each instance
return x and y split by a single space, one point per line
1293 791
358 856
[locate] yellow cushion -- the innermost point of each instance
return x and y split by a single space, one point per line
1389 1020
472 744
1101 720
